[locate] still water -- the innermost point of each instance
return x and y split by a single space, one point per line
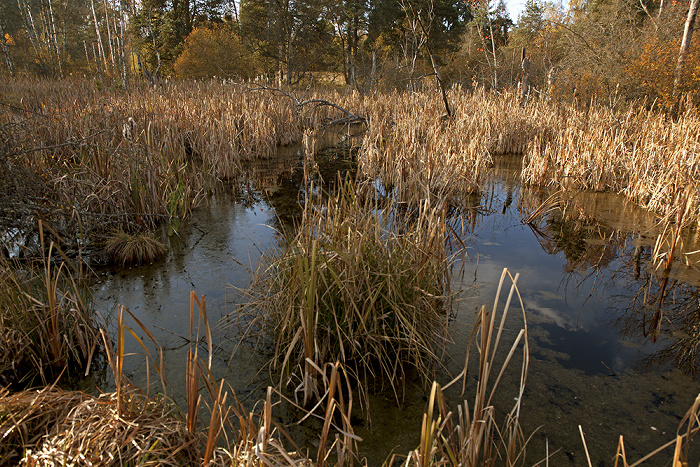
587 281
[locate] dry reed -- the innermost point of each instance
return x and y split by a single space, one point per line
362 284
640 154
47 323
101 160
471 436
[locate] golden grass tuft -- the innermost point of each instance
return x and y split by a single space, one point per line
134 249
57 427
362 284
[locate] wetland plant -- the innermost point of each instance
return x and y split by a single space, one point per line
358 283
471 436
134 249
47 323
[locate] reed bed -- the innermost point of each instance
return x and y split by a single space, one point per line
641 154
419 152
420 155
89 160
359 283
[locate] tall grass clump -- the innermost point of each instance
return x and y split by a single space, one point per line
140 248
359 283
47 322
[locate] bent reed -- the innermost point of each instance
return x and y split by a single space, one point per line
362 283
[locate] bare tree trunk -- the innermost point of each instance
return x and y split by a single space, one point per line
235 15
123 46
524 84
100 49
109 33
87 56
438 77
685 45
55 39
96 57
495 63
29 25
6 51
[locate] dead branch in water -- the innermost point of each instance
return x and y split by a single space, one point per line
315 103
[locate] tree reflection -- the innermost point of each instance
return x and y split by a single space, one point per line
659 304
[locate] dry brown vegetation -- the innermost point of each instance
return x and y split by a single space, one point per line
87 159
362 283
84 161
638 153
47 323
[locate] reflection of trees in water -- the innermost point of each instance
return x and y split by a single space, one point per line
655 304
660 307
283 184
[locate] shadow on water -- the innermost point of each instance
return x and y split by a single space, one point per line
613 340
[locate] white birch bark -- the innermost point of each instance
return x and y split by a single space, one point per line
685 45
100 49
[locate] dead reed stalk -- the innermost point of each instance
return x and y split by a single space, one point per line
472 436
362 284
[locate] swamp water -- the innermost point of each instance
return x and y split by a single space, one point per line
585 276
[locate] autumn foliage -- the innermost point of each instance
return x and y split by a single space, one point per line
653 69
214 50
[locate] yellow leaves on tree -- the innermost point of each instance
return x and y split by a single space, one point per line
215 50
653 70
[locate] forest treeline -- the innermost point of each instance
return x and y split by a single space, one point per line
603 50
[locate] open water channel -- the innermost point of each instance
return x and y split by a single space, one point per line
587 283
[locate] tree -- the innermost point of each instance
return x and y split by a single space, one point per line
531 21
161 26
387 20
685 45
289 37
213 50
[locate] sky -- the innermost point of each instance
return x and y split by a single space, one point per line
514 8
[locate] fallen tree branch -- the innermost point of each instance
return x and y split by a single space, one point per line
315 103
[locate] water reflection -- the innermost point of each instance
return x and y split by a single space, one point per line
607 328
618 248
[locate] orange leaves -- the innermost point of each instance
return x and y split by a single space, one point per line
653 69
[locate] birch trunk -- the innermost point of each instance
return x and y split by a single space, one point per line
685 45
55 39
123 47
100 49
109 33
29 25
